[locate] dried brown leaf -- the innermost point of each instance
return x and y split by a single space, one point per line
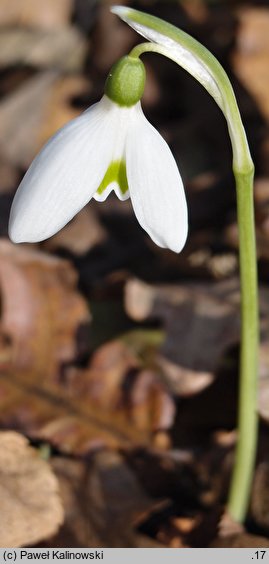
41 311
31 508
103 503
36 13
113 401
117 496
114 409
62 49
201 322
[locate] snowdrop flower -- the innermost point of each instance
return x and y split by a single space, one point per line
111 146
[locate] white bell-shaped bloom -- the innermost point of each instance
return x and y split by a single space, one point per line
109 147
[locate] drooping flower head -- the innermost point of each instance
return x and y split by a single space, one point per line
111 146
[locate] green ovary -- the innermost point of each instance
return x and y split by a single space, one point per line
116 172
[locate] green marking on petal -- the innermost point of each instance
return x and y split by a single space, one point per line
116 172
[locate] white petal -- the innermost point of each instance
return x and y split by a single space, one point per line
65 174
155 185
180 47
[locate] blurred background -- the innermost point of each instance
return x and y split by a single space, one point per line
119 360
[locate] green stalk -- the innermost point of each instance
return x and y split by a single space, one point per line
247 413
247 409
178 46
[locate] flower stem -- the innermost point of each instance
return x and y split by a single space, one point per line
183 49
247 416
247 408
